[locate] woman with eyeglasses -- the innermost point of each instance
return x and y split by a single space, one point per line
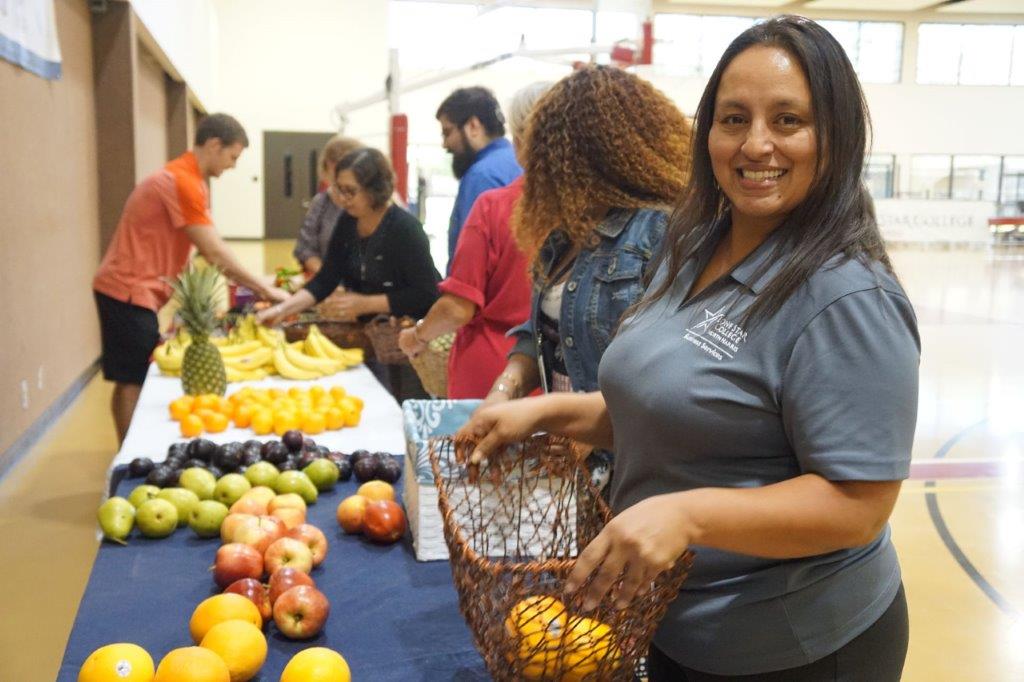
378 252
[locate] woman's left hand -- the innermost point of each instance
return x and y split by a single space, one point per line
408 342
644 540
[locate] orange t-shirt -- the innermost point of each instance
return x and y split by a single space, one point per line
149 243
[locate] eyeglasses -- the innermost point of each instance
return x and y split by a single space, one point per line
346 192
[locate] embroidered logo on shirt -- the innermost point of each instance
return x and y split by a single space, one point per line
715 335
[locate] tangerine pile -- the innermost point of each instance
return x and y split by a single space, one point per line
311 410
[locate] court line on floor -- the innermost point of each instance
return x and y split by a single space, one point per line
950 542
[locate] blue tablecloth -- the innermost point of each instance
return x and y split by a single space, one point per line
392 618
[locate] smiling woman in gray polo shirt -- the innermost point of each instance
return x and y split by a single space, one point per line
762 398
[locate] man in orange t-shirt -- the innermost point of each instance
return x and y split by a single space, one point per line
165 216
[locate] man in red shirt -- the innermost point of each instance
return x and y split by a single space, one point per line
165 216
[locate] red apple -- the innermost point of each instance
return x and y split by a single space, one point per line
313 538
231 524
300 612
260 532
384 522
236 561
288 552
256 592
290 516
351 512
249 505
287 500
283 579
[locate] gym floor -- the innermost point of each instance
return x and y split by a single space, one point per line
958 525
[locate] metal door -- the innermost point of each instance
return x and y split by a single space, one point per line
290 179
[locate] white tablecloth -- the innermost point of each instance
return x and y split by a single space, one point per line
152 430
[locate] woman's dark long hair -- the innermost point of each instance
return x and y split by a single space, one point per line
836 217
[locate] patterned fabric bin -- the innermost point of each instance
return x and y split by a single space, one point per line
423 420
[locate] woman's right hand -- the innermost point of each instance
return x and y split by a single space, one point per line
499 424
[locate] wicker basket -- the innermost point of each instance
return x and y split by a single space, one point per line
383 333
513 536
432 365
343 334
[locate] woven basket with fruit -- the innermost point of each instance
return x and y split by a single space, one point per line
383 332
432 365
513 530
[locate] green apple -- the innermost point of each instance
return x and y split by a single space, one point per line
141 494
323 473
296 482
156 518
206 518
230 487
198 480
183 501
262 473
116 517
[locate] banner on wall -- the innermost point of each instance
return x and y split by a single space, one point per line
28 36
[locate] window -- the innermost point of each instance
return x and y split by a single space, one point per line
880 175
976 178
875 48
930 176
970 54
1012 186
691 45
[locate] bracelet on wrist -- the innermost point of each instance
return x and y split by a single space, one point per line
416 332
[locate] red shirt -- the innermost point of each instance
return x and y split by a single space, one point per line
489 270
149 243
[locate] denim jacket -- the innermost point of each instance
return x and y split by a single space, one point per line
605 280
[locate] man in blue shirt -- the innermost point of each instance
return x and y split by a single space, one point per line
473 132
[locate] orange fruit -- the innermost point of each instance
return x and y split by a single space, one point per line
193 664
220 608
295 392
538 624
243 415
316 391
357 400
215 422
121 662
241 645
181 407
335 418
277 392
285 421
191 426
262 422
352 418
207 401
316 664
224 406
588 650
338 392
314 424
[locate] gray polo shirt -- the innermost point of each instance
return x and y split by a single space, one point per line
828 385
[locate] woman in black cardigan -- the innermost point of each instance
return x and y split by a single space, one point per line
378 252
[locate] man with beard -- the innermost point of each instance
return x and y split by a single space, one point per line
473 132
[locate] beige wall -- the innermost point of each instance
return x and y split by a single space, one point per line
49 231
151 117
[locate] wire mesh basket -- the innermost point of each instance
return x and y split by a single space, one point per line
383 332
513 530
432 365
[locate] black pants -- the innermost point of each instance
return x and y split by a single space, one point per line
875 655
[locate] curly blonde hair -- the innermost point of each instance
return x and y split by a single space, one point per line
600 138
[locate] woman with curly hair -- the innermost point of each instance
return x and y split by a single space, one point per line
606 156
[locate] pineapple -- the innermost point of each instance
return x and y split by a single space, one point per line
202 369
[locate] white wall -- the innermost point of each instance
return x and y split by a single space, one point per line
187 31
283 66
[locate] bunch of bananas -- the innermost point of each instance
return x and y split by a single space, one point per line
252 351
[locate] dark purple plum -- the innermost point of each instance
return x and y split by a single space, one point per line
139 467
365 469
292 440
388 469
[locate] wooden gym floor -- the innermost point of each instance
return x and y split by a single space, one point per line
958 526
